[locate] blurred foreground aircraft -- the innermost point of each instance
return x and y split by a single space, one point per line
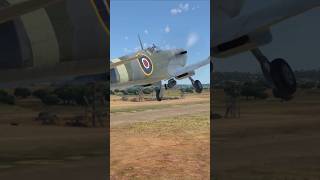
234 33
49 40
149 67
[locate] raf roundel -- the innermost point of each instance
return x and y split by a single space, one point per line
146 65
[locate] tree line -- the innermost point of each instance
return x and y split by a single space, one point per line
64 95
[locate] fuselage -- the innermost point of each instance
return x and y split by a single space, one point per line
149 66
66 38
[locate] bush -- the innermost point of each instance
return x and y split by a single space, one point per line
6 98
65 93
22 92
187 90
133 91
147 90
40 93
307 85
254 89
50 99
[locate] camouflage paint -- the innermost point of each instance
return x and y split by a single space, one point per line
66 38
132 73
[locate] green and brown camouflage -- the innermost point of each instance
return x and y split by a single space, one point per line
63 39
145 67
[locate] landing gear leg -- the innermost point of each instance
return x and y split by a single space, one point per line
278 74
159 91
196 85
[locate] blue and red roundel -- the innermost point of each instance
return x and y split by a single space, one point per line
146 65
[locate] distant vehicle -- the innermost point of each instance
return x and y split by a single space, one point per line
234 33
150 66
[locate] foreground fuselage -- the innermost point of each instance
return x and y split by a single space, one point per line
68 38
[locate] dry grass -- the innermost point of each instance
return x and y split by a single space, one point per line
271 140
176 148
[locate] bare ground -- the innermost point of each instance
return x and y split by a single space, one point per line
271 140
163 143
154 114
36 152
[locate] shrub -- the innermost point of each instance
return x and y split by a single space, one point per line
40 93
6 98
22 92
50 99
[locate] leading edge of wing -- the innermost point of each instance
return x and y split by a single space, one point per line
191 68
261 19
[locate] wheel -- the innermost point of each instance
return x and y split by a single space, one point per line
158 94
283 79
171 83
197 86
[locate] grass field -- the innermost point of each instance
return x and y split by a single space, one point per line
163 140
35 151
271 140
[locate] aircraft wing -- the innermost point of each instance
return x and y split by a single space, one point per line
189 69
17 9
261 19
231 7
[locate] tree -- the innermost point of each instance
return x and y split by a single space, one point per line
254 89
50 99
6 98
65 93
40 93
307 84
22 92
147 90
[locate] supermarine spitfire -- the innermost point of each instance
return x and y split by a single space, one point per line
150 66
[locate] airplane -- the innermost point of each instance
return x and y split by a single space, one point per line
52 40
149 67
234 32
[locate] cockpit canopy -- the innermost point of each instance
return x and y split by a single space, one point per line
153 49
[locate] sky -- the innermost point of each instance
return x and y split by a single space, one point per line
166 23
296 40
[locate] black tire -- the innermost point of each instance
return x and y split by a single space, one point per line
283 79
197 86
159 98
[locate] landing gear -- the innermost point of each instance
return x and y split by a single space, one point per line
159 92
278 74
196 85
171 84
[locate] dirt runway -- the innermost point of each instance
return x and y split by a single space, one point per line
154 114
272 140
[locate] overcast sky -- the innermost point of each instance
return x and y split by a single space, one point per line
297 40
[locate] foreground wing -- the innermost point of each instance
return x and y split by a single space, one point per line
191 68
261 19
230 7
21 8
